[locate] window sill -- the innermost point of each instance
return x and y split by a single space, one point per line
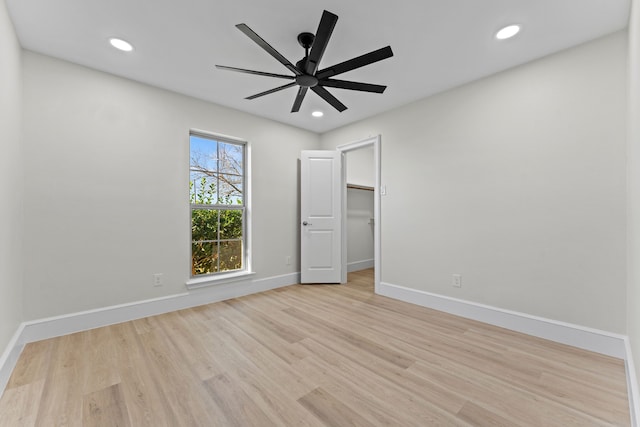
202 282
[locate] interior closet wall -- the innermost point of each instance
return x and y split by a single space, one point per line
360 215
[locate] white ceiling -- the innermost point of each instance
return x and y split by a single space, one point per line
437 44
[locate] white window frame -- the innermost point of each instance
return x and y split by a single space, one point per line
235 275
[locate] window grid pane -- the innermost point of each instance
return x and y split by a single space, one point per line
216 240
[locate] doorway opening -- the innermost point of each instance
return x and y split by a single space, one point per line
360 180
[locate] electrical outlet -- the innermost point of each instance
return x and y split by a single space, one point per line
287 260
157 279
456 280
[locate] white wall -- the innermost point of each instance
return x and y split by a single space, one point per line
517 182
633 182
11 176
360 167
107 185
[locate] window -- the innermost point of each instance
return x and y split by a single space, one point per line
218 207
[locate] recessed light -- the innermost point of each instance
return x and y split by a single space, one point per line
317 114
121 44
508 32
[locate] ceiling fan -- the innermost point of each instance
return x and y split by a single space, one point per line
306 73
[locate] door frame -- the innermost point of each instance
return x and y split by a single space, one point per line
376 142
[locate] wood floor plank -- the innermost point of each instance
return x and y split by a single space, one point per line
237 408
146 324
19 404
590 399
184 391
288 334
481 417
609 380
101 360
262 359
375 374
287 350
416 343
181 326
605 366
498 396
147 404
105 408
343 333
412 405
275 399
330 410
34 363
312 356
61 402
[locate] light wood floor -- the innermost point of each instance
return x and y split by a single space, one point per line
311 356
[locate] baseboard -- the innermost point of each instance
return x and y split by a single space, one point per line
75 322
10 357
632 384
585 338
40 329
360 265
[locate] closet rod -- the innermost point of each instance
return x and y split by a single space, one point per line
359 187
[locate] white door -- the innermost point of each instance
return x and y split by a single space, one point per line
321 216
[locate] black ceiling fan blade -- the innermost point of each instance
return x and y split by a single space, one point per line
325 28
298 101
352 64
258 73
267 92
344 84
324 94
266 46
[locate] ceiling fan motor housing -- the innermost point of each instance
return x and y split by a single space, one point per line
306 80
